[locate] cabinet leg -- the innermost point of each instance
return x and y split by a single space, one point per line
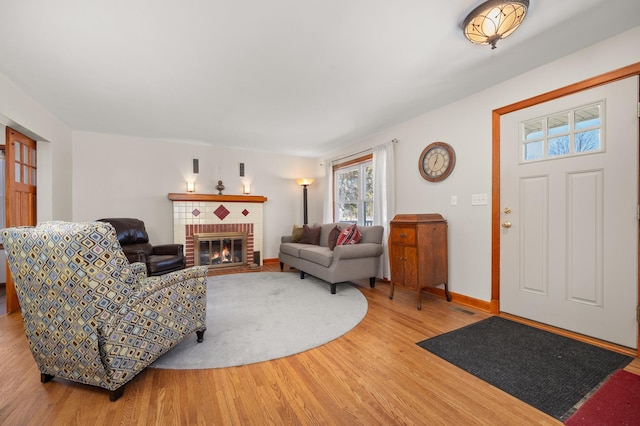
391 291
419 301
446 292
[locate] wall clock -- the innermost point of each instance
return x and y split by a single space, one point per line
437 161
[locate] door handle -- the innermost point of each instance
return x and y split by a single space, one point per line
506 224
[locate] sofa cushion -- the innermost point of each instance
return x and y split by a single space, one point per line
310 235
293 249
350 235
296 233
320 255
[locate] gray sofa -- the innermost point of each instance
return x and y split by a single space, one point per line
344 263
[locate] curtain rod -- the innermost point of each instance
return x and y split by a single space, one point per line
358 153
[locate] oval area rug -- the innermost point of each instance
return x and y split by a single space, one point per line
259 316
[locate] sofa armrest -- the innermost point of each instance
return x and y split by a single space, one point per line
357 251
286 239
168 249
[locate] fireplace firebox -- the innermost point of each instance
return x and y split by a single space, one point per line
220 249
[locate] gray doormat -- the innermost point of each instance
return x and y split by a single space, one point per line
547 371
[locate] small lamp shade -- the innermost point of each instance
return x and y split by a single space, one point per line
191 186
305 181
246 188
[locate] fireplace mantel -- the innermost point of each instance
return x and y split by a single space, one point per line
217 198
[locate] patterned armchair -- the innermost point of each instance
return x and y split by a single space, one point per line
89 315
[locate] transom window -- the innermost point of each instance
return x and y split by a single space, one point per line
567 133
353 191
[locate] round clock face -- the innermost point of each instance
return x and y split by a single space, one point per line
436 161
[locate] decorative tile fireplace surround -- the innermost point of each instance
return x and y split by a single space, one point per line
209 213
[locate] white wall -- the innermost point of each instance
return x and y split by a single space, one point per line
466 125
23 114
121 176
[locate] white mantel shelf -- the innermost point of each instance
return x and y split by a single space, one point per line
217 198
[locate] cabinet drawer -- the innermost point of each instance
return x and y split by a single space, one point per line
405 236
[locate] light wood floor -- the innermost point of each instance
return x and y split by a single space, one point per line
375 374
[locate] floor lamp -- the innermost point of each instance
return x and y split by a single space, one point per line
304 183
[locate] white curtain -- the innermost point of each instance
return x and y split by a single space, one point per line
327 214
384 196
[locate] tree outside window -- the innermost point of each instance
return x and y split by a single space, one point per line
354 192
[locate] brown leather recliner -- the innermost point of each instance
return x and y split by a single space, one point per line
134 240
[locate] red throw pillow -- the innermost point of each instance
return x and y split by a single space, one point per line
310 235
350 235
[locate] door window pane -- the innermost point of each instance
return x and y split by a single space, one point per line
587 117
558 124
558 146
533 150
588 141
574 132
533 130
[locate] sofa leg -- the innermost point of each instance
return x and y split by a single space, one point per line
302 275
372 282
281 266
115 394
200 335
44 377
333 288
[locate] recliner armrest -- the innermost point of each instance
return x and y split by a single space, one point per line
168 249
134 255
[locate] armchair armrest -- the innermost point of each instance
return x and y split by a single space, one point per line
168 249
164 310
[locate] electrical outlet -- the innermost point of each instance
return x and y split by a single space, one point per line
454 200
479 199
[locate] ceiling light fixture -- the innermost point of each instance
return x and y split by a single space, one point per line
494 20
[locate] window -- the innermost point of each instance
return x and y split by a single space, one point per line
353 191
568 133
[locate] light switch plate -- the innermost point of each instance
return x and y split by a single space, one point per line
479 199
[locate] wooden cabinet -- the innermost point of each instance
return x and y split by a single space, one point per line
418 253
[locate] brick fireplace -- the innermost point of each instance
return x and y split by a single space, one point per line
208 213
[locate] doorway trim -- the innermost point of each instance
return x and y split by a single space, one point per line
619 74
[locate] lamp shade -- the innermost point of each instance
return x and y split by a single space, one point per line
305 181
494 20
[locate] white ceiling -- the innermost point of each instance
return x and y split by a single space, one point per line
302 77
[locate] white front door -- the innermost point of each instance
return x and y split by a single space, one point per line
569 236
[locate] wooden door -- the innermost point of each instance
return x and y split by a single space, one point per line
20 178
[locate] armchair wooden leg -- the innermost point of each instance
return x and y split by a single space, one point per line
115 394
302 275
44 377
372 282
200 335
333 288
281 266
